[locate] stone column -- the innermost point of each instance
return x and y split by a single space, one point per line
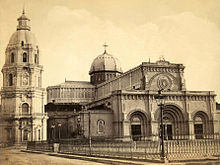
155 130
126 130
17 132
44 128
191 127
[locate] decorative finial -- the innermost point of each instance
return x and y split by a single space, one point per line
23 11
162 58
149 59
105 46
65 79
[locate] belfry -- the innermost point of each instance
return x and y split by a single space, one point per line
22 96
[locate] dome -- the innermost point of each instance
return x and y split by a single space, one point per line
105 62
22 35
23 32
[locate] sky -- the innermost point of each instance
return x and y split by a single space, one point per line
71 33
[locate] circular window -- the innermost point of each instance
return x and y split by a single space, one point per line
164 82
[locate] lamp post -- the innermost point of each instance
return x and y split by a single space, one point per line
160 102
52 131
78 125
59 125
90 137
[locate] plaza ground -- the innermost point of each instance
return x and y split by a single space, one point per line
16 157
11 156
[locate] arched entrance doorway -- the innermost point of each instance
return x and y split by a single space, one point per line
198 127
136 128
202 125
168 126
174 123
139 126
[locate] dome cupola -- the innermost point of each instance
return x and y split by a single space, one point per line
104 67
23 35
22 47
23 22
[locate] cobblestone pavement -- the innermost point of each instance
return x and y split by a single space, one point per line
15 157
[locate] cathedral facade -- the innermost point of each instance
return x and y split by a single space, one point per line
22 96
122 105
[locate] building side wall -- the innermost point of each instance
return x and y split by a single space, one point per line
69 94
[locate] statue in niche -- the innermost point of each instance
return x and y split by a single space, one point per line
101 126
14 79
25 79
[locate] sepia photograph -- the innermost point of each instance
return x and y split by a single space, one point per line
123 82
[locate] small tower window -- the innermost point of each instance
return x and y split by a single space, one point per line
12 58
25 107
35 59
22 43
24 57
10 80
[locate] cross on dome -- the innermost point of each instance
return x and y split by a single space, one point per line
162 58
105 46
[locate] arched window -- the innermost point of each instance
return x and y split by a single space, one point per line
24 57
12 58
10 79
22 43
35 59
25 107
101 126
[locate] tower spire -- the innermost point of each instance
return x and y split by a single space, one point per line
23 10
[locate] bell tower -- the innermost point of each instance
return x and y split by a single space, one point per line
22 96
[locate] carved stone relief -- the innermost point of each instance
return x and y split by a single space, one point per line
25 79
164 82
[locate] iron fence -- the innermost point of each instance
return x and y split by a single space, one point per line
40 146
148 148
133 150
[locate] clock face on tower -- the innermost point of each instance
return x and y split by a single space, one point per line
164 82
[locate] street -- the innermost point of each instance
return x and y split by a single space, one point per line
15 157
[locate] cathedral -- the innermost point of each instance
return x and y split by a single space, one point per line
112 105
122 105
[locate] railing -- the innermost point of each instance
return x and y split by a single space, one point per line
132 149
176 149
185 149
40 146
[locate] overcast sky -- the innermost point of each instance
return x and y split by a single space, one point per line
71 33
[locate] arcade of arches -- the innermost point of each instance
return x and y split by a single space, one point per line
175 123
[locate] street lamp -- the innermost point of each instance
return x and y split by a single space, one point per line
59 125
52 131
78 125
161 102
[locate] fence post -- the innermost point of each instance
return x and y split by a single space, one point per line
131 148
